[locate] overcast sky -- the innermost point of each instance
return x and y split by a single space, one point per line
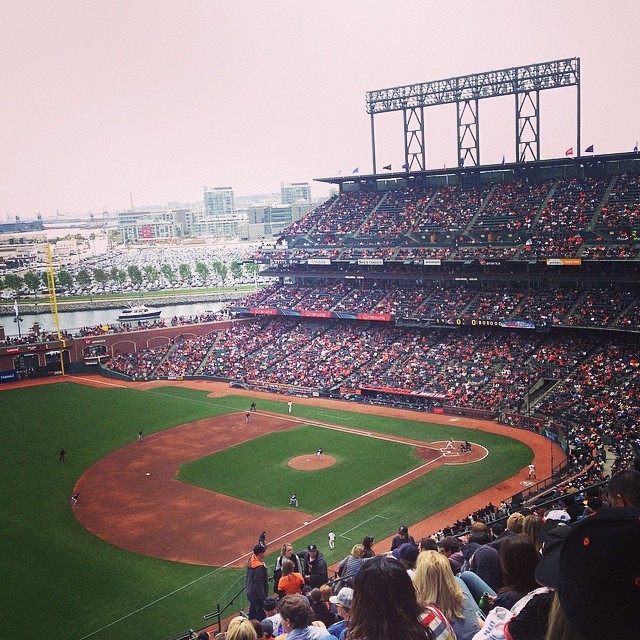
159 98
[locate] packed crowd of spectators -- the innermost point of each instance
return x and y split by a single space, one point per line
32 337
140 365
512 207
573 204
531 219
603 390
546 306
452 208
601 308
623 204
397 214
112 328
127 327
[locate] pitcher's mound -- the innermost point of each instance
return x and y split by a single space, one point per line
311 462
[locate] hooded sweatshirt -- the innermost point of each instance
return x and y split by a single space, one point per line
316 570
257 579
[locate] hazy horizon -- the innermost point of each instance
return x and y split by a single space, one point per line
152 100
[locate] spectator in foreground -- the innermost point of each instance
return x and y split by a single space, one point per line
267 630
350 565
367 543
407 554
256 583
241 629
436 586
385 606
322 610
315 567
532 527
450 549
270 606
296 615
624 489
598 593
343 602
291 581
427 544
484 564
514 525
401 537
286 553
518 561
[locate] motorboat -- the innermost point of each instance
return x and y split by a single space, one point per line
140 312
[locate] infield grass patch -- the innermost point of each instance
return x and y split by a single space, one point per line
241 471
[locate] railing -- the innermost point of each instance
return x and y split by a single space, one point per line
232 604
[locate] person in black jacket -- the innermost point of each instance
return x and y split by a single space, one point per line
256 583
315 567
402 537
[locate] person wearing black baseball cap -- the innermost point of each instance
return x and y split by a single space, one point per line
402 537
315 567
256 583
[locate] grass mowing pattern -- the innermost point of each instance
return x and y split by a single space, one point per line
59 577
318 491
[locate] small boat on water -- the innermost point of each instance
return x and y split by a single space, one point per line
141 312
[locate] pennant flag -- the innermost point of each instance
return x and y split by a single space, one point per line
387 168
15 307
356 170
635 149
503 159
569 151
589 149
405 166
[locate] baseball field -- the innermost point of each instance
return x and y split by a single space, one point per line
162 527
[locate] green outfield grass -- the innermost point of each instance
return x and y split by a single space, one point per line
61 581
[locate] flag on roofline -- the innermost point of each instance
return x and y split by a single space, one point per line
405 166
635 149
589 149
503 159
569 151
387 167
356 170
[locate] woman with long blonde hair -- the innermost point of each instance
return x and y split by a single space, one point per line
436 586
241 629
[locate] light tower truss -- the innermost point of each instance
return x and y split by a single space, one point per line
525 83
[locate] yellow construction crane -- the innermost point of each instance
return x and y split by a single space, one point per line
51 283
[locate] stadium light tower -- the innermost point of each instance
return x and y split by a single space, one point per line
525 83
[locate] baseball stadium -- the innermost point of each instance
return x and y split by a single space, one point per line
428 334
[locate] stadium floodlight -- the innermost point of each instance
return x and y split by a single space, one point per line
524 82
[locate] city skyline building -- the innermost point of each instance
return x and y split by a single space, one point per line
219 202
295 192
